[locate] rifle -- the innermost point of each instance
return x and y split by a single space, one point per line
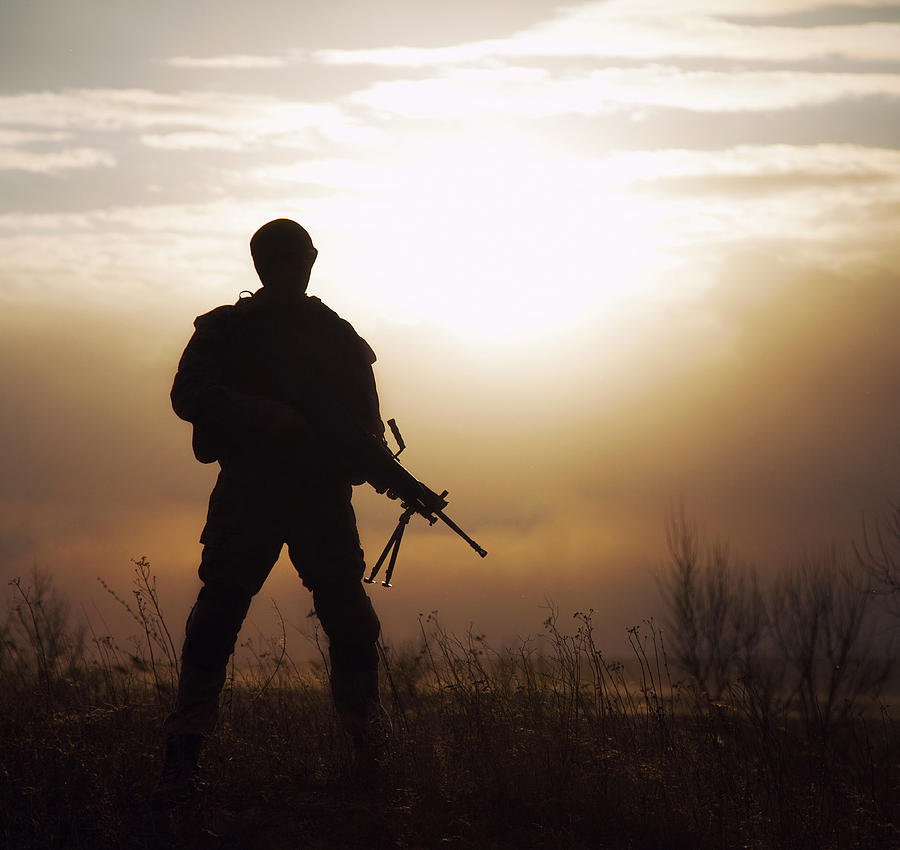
387 475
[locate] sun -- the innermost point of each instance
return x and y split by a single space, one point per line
503 241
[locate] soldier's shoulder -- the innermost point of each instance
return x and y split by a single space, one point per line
341 328
216 323
220 317
319 308
227 313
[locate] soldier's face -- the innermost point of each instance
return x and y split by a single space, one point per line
287 271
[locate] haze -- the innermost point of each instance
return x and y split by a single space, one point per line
611 255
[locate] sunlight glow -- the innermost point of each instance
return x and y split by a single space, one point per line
499 242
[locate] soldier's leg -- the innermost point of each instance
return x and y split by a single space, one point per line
325 550
230 580
242 540
349 620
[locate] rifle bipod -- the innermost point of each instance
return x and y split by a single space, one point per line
430 513
392 546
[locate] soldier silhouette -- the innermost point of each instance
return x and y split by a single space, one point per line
267 384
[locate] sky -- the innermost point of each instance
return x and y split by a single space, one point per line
614 257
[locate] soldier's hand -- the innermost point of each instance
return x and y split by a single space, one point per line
285 426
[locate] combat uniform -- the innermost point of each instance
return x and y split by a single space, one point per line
249 368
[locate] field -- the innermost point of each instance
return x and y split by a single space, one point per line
548 744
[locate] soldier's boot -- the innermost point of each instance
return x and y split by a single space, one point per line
176 787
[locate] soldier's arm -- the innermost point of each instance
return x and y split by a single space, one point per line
202 394
349 366
199 393
369 391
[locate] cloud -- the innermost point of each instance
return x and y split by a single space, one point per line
824 160
504 162
652 29
116 110
472 94
15 138
380 223
16 155
754 185
192 141
237 61
15 159
138 258
183 121
827 15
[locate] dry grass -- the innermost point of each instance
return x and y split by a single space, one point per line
548 744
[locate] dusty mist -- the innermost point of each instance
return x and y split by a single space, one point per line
769 406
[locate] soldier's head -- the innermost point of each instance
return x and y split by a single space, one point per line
283 255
